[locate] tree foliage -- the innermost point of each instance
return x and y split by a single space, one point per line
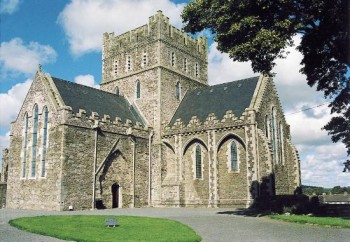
260 30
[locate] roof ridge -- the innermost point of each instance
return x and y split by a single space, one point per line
85 86
244 79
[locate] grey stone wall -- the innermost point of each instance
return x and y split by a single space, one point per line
285 169
2 195
126 164
35 192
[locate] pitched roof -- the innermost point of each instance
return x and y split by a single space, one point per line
218 99
94 100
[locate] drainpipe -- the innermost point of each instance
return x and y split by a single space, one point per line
133 143
149 167
96 128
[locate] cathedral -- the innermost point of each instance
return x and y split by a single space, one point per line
154 135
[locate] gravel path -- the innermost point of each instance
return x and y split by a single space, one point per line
212 224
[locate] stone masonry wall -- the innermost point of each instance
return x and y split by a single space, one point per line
285 168
35 192
116 162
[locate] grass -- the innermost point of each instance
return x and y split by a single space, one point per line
92 228
321 221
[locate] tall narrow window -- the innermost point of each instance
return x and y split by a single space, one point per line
138 89
178 90
34 140
234 156
196 71
144 59
185 65
273 127
128 63
172 58
115 68
44 142
281 143
24 146
198 162
117 92
267 126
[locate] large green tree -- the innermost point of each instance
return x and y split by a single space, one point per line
259 31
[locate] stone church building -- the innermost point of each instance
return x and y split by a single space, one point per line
155 134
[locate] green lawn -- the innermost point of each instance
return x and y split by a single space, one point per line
322 221
92 228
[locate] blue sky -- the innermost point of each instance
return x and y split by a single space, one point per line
65 37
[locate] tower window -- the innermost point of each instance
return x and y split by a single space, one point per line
196 71
198 162
117 92
144 59
178 90
185 65
128 63
44 142
173 58
35 140
138 89
115 68
24 146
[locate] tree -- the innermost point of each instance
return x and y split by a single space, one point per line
259 31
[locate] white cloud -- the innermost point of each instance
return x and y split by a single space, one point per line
84 21
9 6
18 57
87 80
11 102
222 69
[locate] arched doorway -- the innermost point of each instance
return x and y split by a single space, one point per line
115 195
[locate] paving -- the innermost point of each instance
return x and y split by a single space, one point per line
211 224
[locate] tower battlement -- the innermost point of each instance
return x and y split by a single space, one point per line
158 26
138 49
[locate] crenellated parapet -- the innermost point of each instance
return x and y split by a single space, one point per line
212 122
104 122
138 50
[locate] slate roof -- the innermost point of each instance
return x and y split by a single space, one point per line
94 100
218 99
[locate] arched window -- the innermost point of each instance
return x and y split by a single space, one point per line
178 90
198 162
117 91
281 143
44 142
35 139
234 156
273 127
267 126
138 89
24 146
